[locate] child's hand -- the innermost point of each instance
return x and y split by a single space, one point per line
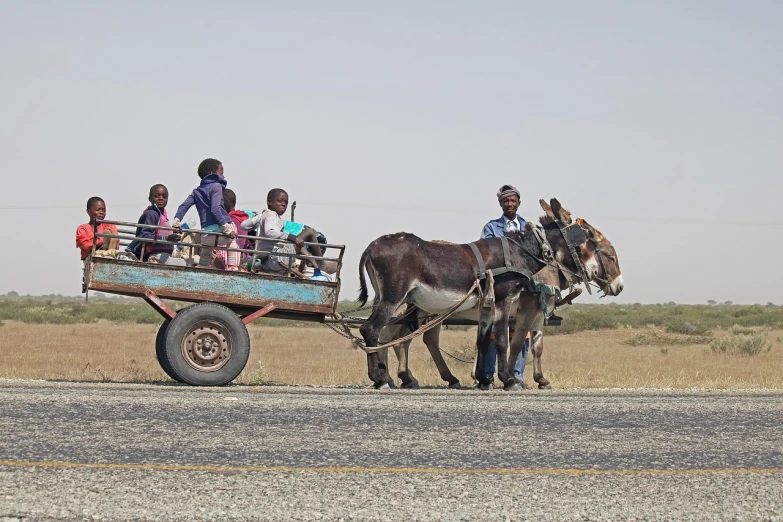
298 241
229 230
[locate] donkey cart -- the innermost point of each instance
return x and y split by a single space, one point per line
207 343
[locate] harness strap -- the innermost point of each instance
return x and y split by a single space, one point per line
508 265
517 270
506 252
546 249
482 268
572 248
421 330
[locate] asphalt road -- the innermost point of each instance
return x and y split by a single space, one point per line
137 452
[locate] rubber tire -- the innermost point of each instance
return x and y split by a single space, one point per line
160 351
233 326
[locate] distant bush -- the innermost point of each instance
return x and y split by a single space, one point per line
75 311
738 330
691 320
743 344
686 328
654 338
696 320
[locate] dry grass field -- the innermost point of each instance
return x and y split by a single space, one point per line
314 355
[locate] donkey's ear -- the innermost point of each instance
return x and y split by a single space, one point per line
561 213
590 232
588 229
547 208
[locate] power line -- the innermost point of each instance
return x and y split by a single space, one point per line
255 204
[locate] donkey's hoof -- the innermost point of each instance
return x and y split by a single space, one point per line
484 387
546 386
455 386
384 386
413 385
515 386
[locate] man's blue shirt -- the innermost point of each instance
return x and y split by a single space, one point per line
497 227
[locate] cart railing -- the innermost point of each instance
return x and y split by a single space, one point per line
128 236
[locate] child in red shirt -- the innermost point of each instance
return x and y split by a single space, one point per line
96 209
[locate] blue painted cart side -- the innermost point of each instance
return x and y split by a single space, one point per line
236 290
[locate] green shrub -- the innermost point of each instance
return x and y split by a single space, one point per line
746 345
687 328
738 330
654 338
692 320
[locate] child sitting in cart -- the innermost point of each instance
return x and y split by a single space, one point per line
85 234
237 216
271 225
208 198
156 215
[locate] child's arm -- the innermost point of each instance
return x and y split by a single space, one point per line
273 227
84 237
150 217
216 205
251 223
219 211
111 243
182 210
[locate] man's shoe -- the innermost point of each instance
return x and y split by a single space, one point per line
553 320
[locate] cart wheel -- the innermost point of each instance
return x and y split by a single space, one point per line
160 351
207 345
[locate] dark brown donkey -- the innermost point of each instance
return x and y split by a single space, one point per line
597 261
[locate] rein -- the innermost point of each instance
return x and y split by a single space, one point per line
573 236
422 329
600 255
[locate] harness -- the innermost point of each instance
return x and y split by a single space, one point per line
508 263
573 235
533 285
598 254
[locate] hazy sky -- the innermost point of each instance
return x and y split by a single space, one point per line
661 123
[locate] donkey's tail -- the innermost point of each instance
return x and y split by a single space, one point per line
363 295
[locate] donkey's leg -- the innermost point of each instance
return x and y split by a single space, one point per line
383 362
526 314
483 340
390 333
537 348
377 369
502 310
432 340
403 368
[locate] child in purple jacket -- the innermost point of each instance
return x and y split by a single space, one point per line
155 214
208 198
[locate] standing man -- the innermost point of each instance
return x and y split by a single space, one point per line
509 199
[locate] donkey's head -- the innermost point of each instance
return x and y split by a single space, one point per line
596 253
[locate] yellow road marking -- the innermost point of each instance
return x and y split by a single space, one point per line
359 469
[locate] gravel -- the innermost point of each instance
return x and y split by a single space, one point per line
656 455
